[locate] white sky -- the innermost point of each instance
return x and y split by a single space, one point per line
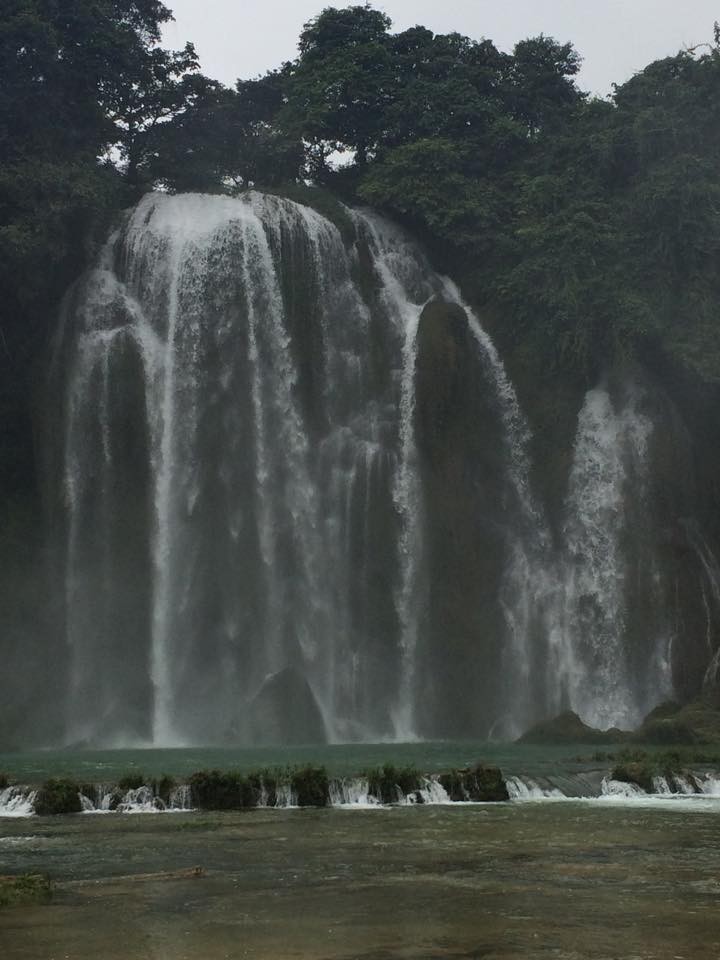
616 38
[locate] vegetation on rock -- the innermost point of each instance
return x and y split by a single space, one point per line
697 722
569 728
310 786
389 783
214 790
58 796
479 784
131 781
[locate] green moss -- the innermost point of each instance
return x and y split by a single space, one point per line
480 784
58 796
639 774
569 728
453 783
164 787
384 782
29 888
641 766
131 781
311 786
489 785
663 711
215 790
695 723
668 731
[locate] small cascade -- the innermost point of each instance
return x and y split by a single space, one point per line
709 784
352 792
181 797
430 792
685 785
356 793
524 788
107 798
675 785
434 792
618 788
662 787
17 802
141 800
285 796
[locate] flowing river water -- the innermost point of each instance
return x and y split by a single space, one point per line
571 881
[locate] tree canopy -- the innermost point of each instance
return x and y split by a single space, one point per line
585 229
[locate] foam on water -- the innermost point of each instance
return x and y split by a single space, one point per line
17 802
524 788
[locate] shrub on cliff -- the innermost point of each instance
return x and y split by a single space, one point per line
58 796
311 786
480 784
385 782
214 790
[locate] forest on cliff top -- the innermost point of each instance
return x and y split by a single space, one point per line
584 230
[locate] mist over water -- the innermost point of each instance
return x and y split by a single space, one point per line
248 540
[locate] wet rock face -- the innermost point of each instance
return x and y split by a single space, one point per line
711 683
285 711
567 727
477 784
460 444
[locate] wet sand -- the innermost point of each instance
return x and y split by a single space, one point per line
567 881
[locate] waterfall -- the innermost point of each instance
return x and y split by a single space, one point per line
248 543
607 498
259 524
405 288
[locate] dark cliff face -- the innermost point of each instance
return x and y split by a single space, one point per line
667 574
460 449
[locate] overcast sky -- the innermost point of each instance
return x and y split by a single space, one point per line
244 38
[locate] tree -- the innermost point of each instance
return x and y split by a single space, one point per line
339 85
539 87
62 66
148 87
227 140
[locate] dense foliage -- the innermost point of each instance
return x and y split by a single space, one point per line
584 229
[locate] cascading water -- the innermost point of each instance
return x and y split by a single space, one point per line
529 590
607 496
259 506
252 541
